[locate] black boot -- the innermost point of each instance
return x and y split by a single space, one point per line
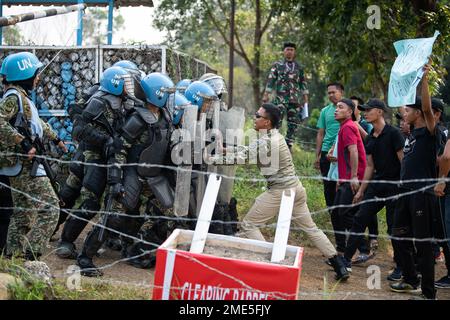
232 212
31 256
340 267
88 268
227 227
217 226
66 250
74 225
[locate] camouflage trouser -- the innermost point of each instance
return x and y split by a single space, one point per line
292 122
73 181
32 222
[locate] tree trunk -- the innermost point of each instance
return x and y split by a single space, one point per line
256 72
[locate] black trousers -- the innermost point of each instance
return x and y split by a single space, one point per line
440 232
342 218
368 211
414 219
6 204
329 187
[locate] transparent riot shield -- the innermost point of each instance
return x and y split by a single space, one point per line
184 149
231 125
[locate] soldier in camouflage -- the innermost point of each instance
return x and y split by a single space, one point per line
102 119
286 81
146 133
37 211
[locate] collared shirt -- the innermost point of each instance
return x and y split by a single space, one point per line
330 125
288 80
383 150
349 135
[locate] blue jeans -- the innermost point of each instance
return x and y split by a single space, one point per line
447 217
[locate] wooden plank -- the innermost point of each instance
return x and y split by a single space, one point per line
283 225
206 212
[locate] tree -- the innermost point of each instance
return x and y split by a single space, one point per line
95 25
207 19
355 50
12 36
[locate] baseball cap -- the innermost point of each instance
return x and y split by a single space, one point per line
437 104
373 104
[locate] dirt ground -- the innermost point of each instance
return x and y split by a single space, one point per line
312 283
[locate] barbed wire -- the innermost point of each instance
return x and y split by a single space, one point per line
247 288
224 176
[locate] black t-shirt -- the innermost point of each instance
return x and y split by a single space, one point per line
384 150
420 158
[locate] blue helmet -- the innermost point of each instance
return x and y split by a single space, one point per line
20 66
157 88
126 64
180 103
3 68
182 85
198 91
113 80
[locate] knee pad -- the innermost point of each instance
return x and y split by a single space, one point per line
69 195
95 179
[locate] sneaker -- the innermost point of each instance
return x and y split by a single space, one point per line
421 297
363 258
443 283
403 287
395 275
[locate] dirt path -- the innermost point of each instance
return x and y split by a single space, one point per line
311 282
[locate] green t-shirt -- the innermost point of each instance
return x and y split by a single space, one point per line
328 122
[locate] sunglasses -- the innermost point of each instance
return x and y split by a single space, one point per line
257 116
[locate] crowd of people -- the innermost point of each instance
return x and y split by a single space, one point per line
126 122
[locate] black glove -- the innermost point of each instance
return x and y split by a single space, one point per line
26 145
113 146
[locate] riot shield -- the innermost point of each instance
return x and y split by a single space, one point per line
199 146
183 183
231 125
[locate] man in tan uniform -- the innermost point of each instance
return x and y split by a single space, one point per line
280 175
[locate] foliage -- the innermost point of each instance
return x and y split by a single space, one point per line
95 25
333 40
12 36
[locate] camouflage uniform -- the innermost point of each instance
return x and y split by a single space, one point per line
288 81
28 229
91 195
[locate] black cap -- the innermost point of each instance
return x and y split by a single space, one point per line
373 104
289 45
350 103
437 104
417 104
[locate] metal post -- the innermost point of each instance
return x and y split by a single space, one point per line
231 61
110 21
80 25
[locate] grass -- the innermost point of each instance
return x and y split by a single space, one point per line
30 288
